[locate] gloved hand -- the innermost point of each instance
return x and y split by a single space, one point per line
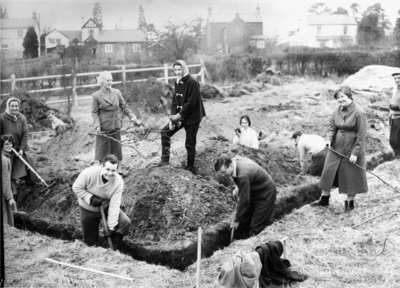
96 201
237 131
111 233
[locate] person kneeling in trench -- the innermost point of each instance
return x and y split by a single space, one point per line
256 192
101 186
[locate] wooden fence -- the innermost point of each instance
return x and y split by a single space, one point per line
123 71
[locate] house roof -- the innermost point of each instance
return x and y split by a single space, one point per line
18 23
121 36
72 34
331 19
228 17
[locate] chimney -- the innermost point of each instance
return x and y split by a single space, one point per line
258 9
82 20
121 23
34 14
209 10
116 26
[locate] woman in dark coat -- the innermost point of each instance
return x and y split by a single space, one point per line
7 197
108 108
14 123
347 133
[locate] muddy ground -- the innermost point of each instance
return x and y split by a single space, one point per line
167 204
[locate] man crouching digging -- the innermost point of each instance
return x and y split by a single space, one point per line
256 191
101 186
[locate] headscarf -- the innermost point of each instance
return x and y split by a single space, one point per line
185 69
8 111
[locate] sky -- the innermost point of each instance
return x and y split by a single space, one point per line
280 16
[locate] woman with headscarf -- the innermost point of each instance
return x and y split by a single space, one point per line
108 107
7 199
347 133
246 136
14 123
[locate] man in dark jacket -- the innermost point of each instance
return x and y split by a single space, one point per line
256 191
187 110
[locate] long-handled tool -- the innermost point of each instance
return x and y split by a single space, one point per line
233 228
330 149
103 216
30 168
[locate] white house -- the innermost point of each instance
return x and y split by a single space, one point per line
333 30
12 34
55 38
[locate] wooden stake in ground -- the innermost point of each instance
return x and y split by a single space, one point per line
198 258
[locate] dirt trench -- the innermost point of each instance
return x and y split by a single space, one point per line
182 253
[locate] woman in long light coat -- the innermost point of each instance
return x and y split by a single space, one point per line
14 123
347 134
108 108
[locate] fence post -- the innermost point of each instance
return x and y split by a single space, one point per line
74 94
123 75
12 82
166 72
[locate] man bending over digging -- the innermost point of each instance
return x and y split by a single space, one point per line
101 186
256 191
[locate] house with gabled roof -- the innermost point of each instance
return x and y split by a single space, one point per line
231 32
333 31
113 46
12 34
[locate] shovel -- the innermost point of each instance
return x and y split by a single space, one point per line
30 168
103 216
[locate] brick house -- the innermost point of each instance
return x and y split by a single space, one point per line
12 34
234 32
113 46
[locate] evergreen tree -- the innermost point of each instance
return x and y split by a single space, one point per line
396 32
31 44
142 24
97 15
371 28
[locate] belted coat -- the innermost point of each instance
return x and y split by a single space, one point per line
347 133
108 109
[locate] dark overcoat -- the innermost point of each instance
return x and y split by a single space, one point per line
347 133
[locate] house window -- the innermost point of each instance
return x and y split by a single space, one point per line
260 44
344 30
58 40
318 30
322 44
4 46
136 47
91 33
252 43
52 40
20 32
109 48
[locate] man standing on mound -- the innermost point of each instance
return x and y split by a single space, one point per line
256 191
101 186
187 110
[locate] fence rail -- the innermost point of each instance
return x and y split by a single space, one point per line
123 71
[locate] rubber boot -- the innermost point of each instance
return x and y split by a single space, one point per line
165 157
351 205
116 240
323 202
